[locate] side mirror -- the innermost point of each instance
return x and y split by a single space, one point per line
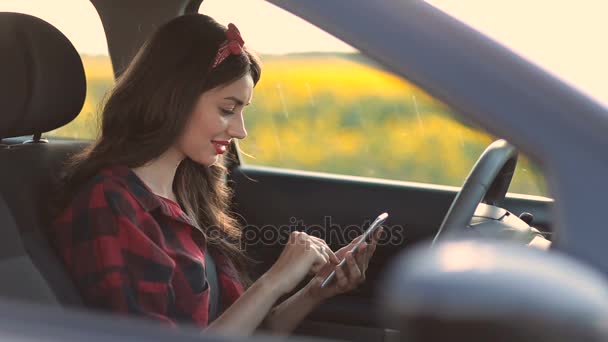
485 291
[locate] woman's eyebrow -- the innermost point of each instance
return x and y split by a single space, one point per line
236 100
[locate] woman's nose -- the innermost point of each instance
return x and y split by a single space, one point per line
237 127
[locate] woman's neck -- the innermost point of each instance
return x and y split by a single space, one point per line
159 173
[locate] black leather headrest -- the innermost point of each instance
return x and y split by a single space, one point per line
42 80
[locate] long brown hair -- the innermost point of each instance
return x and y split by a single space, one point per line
147 111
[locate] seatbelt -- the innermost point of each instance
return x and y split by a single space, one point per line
214 287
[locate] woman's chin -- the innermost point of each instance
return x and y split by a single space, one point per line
206 160
211 160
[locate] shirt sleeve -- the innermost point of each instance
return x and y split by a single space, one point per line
113 258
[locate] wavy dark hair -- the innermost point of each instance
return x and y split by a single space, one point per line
148 109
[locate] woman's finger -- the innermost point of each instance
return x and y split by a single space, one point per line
369 253
325 249
355 240
361 257
377 235
372 247
317 239
354 273
341 280
329 254
321 260
332 257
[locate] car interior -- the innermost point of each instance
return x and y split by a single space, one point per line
43 87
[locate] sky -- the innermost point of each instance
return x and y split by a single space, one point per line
564 37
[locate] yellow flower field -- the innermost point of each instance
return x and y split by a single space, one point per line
339 114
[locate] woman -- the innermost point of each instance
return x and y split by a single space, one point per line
144 208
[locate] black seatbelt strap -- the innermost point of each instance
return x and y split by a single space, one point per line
214 287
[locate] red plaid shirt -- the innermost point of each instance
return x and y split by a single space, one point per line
132 252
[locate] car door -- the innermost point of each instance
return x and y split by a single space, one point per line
334 140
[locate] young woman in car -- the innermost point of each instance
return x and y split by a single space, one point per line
145 207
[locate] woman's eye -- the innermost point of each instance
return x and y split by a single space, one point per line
226 111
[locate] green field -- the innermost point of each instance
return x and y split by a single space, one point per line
337 113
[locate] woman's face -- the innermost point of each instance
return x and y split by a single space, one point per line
217 118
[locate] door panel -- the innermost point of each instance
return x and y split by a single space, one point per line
268 199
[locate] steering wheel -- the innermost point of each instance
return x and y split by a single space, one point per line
487 183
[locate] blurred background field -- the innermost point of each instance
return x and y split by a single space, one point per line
338 113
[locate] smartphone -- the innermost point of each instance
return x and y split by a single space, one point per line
366 237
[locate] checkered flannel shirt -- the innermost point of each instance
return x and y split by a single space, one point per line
132 252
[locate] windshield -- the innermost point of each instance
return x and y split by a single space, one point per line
566 38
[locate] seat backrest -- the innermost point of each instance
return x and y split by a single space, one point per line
19 281
42 88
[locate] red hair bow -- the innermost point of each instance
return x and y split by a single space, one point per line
233 45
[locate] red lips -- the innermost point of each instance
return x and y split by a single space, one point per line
220 146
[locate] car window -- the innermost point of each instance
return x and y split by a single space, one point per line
322 106
85 31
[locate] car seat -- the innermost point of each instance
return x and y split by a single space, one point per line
42 87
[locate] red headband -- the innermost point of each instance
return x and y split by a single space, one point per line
232 46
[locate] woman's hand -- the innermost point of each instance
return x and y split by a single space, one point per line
349 276
303 254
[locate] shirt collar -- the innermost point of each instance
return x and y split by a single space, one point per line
144 195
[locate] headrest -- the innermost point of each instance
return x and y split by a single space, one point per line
42 82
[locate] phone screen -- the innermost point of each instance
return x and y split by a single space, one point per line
366 237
